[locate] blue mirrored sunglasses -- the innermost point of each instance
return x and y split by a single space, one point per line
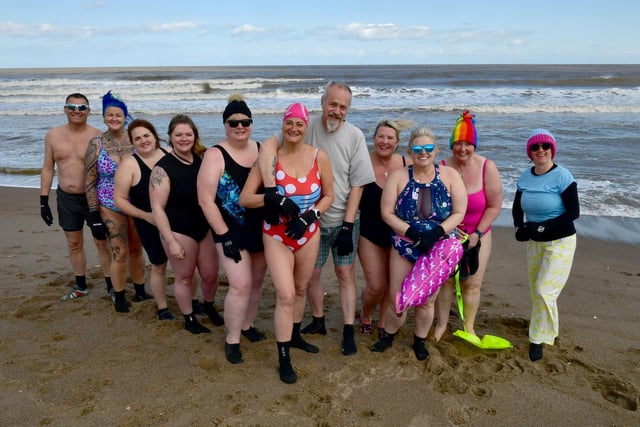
79 107
417 149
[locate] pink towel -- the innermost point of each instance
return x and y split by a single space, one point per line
429 273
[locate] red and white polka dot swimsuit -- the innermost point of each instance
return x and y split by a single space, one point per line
305 192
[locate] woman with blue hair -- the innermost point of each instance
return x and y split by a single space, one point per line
104 155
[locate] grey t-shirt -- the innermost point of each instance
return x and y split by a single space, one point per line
350 162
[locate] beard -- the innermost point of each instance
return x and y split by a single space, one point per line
333 125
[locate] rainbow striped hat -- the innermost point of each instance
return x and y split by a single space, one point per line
465 130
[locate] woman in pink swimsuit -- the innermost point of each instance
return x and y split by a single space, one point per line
484 195
303 175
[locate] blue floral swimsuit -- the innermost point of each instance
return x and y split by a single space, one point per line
423 206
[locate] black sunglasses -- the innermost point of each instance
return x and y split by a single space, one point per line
545 146
244 122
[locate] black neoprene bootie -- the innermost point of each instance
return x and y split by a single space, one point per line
385 341
287 374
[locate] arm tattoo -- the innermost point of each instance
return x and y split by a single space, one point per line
91 155
91 175
157 175
273 167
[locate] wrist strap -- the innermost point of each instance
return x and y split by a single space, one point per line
347 226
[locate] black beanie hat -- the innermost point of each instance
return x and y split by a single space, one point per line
236 105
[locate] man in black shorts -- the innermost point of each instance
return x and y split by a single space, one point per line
65 146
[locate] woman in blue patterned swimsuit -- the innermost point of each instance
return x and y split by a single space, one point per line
421 204
237 231
104 155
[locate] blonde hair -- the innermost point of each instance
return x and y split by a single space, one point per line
398 125
422 131
235 97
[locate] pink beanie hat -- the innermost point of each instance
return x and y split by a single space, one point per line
297 111
540 136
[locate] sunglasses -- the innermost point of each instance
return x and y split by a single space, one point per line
417 149
244 122
545 146
79 107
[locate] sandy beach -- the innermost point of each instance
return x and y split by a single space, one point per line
80 363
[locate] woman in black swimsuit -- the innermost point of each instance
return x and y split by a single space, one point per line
375 235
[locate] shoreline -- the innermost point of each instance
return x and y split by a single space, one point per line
607 228
80 363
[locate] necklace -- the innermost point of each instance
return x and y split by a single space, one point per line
426 174
384 169
117 143
182 158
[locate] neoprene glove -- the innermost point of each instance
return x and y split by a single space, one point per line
297 227
45 211
276 204
424 240
229 247
98 230
522 233
344 240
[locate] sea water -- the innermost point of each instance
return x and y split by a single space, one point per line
593 111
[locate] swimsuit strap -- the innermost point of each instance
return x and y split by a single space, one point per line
484 168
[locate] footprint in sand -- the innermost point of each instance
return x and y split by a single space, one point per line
555 366
621 400
616 391
459 416
481 391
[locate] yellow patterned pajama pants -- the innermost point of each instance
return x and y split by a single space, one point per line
549 265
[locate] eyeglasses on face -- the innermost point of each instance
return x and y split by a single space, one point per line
244 122
79 107
545 146
417 149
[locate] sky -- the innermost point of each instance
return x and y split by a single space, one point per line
137 33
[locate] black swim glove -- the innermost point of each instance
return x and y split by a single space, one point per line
98 230
424 240
45 211
297 227
522 233
344 240
277 204
230 248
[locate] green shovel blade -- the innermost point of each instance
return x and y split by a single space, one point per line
487 342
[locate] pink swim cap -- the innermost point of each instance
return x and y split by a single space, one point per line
296 111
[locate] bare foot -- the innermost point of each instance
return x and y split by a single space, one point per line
439 331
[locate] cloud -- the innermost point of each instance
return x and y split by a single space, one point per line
12 29
360 31
247 29
172 27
